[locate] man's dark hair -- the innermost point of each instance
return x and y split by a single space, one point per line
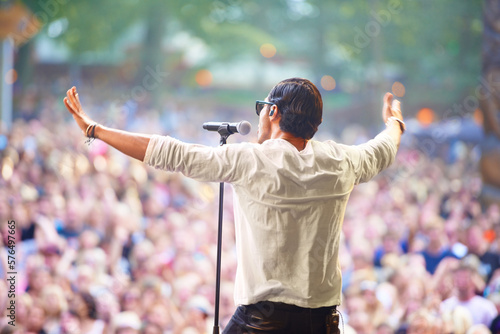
300 104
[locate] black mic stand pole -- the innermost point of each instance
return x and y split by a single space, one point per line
224 134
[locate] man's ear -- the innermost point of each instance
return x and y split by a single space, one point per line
275 118
273 112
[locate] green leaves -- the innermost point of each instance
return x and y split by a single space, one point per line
417 41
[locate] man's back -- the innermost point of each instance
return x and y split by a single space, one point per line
289 208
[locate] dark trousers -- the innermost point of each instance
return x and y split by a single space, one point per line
277 318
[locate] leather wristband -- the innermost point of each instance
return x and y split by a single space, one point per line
402 124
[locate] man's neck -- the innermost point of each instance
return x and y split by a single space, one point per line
298 142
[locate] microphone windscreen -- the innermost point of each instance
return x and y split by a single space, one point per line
244 127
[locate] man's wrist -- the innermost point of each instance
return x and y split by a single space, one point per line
97 128
402 124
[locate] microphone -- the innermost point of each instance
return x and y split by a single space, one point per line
243 127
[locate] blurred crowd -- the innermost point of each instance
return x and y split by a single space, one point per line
105 244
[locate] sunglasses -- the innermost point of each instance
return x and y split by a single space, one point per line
259 105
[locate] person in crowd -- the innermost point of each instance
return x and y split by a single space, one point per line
36 319
127 322
391 244
424 321
478 329
84 307
481 309
457 321
478 245
54 303
374 307
437 247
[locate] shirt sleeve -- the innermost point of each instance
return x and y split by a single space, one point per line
199 162
370 158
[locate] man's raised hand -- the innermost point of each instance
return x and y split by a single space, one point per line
72 103
391 108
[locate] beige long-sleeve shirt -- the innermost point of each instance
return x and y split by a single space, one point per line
289 208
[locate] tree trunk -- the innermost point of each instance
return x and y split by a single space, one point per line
151 53
24 64
490 100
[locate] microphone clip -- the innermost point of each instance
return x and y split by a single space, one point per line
224 132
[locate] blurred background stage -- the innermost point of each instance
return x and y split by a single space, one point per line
108 245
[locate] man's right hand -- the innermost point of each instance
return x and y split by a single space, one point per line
391 108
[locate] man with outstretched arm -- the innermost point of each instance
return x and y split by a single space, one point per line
290 194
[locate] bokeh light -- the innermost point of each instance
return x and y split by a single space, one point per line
204 78
11 76
100 163
328 82
7 168
489 235
398 89
267 50
478 117
425 116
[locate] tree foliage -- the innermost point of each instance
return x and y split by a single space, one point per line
422 43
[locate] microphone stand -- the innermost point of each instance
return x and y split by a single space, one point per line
224 134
